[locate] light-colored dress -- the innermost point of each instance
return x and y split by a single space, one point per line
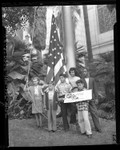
36 94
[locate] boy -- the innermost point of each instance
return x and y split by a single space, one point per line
51 105
83 115
62 88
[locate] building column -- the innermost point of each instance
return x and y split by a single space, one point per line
68 37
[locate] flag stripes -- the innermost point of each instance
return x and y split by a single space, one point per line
56 63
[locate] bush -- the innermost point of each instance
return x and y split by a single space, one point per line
102 69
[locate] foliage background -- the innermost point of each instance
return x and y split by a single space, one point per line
17 61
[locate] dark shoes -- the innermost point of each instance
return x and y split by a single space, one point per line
66 130
52 130
100 131
89 135
39 126
59 115
83 133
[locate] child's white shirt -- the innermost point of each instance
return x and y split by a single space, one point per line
36 90
50 94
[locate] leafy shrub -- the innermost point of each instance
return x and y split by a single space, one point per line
102 69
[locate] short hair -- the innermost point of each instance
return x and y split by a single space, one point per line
52 82
35 78
87 69
27 35
74 88
80 81
63 75
72 69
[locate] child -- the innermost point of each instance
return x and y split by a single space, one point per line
36 93
51 106
83 115
62 88
72 80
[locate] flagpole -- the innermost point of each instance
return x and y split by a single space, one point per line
68 37
54 56
29 65
53 53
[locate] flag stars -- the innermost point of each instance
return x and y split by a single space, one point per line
55 58
54 49
53 23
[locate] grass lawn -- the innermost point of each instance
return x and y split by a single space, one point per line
24 133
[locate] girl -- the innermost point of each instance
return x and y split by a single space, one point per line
83 115
72 80
36 93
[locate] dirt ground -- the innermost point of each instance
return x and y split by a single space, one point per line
24 133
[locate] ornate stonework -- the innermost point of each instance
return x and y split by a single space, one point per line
106 18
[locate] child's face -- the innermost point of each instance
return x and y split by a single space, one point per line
35 81
72 73
62 79
51 86
80 86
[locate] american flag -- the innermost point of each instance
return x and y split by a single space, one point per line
56 63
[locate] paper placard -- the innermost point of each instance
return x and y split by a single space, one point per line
78 96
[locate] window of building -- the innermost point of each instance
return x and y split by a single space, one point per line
106 19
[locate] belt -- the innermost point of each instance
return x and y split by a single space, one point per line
62 96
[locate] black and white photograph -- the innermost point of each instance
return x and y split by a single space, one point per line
60 74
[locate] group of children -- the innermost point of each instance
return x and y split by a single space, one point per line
48 97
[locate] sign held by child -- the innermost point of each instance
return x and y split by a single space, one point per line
78 96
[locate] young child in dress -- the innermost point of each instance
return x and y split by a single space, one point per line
51 106
36 93
83 115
